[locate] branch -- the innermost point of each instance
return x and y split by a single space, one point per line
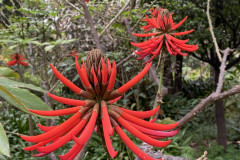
222 70
90 22
75 7
205 102
213 96
110 23
211 30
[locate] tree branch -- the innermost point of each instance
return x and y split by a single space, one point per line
222 71
205 102
89 19
110 23
212 33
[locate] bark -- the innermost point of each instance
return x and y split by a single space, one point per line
178 74
168 77
220 119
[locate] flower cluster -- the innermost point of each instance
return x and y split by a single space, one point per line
163 23
73 53
17 59
98 113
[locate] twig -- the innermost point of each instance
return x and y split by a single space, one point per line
110 23
74 6
211 30
90 22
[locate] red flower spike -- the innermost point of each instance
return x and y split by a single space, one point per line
110 149
132 146
106 117
146 124
56 112
45 128
140 135
115 100
112 77
141 114
135 80
68 101
163 23
144 35
63 140
179 24
83 78
183 33
86 134
104 72
65 81
72 153
51 133
17 59
99 96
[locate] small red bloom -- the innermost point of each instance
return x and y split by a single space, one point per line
73 53
17 59
164 36
98 78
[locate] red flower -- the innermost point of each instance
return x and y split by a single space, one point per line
73 53
17 59
98 79
163 23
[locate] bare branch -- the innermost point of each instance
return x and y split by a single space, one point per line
205 102
110 23
222 70
212 33
89 19
75 7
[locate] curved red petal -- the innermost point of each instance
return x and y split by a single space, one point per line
59 112
68 101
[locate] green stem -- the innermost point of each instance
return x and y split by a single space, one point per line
161 75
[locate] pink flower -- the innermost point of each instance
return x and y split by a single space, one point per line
164 36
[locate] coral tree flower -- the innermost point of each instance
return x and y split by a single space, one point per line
163 23
17 59
98 113
73 53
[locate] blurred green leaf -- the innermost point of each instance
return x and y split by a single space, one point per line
12 83
8 72
4 145
23 99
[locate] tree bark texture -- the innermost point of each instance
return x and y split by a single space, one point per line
220 118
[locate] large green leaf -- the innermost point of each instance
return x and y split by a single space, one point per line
23 99
4 145
8 82
8 72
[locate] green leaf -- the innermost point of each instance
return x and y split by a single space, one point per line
23 99
47 48
4 145
12 83
8 72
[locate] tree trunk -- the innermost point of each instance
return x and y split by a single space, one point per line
220 119
168 77
178 74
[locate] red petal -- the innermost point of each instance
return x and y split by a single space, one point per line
144 35
65 81
179 24
68 101
112 77
11 63
61 128
183 33
131 145
83 78
135 80
56 112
